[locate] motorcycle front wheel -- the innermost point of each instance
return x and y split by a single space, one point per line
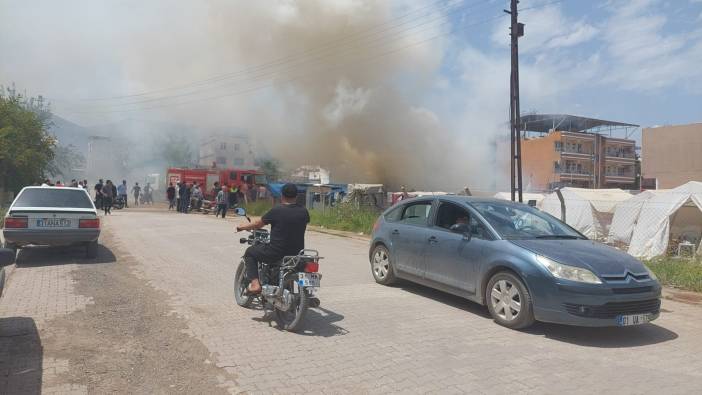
240 284
291 320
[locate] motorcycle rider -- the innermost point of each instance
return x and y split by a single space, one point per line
288 224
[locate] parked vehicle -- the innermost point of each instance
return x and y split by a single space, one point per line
53 216
208 177
289 286
523 264
7 257
118 203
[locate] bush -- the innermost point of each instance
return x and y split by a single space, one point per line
345 217
679 273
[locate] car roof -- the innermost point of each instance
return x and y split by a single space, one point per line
463 199
54 187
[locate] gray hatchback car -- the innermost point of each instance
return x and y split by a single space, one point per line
525 265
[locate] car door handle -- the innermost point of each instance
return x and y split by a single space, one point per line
433 240
396 232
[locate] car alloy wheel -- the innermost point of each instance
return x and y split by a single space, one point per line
381 265
506 300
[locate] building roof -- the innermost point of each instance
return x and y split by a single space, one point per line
544 123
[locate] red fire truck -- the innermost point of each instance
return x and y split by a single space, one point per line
208 177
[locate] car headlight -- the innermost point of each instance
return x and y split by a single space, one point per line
651 273
567 272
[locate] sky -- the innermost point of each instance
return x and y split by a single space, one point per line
377 89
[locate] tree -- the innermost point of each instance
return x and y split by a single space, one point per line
26 147
176 151
270 167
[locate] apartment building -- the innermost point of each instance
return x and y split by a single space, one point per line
225 151
671 155
583 159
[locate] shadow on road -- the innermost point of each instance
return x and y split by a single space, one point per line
608 337
320 322
21 356
446 298
47 256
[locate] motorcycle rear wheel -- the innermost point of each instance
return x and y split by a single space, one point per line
291 320
240 284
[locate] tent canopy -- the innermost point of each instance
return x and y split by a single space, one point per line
626 215
587 210
673 212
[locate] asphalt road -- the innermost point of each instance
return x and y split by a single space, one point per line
161 297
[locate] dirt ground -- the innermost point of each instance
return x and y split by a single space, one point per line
128 340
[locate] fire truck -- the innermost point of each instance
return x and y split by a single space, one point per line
208 177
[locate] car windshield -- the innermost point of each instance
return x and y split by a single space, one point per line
45 197
517 222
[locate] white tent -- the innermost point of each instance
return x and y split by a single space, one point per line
626 215
676 213
525 196
588 210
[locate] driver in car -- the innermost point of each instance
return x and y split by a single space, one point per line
288 223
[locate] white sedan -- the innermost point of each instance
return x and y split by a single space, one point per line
52 216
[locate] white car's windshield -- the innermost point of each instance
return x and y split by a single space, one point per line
517 221
48 197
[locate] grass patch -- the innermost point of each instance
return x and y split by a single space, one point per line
680 273
345 217
258 208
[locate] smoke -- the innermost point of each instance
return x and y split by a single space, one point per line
343 84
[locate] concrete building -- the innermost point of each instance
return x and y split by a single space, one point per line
574 152
671 155
225 151
311 174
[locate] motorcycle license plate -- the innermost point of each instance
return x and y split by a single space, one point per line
309 279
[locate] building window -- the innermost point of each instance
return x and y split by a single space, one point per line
556 166
239 161
558 146
222 146
221 160
236 147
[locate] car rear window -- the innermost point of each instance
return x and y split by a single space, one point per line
63 198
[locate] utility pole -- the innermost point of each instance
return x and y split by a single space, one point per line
516 31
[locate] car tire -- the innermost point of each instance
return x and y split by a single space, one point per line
91 250
509 301
381 265
11 247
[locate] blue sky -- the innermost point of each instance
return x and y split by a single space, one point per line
634 61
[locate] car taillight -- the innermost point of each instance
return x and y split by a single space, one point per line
16 222
311 267
89 223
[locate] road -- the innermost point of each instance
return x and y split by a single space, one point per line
154 313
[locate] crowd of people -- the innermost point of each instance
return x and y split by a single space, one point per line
107 194
185 197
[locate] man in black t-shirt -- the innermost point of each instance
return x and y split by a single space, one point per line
98 194
288 223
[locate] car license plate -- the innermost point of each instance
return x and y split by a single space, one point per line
309 279
633 319
53 223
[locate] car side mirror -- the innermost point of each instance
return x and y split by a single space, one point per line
7 256
462 229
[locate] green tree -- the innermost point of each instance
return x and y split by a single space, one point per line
26 147
270 167
176 151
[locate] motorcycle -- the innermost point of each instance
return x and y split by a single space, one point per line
289 286
118 203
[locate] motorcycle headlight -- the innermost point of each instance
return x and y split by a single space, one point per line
567 272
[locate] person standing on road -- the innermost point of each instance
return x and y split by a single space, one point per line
288 223
197 197
136 191
171 195
148 194
98 194
107 194
122 192
182 191
233 198
221 202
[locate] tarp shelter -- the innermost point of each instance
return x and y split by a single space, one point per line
526 197
590 211
397 196
675 215
368 195
626 215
